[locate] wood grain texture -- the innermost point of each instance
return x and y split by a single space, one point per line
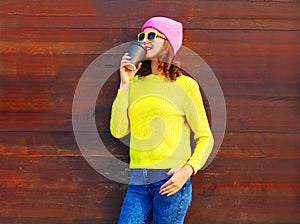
195 14
253 49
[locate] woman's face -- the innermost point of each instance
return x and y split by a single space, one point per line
154 47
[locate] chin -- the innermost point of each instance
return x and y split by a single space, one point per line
150 56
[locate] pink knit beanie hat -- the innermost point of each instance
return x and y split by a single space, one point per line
169 27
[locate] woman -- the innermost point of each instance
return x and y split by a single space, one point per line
159 106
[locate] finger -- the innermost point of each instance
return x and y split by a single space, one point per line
173 192
125 60
166 188
170 172
126 57
139 66
168 183
124 63
168 191
123 67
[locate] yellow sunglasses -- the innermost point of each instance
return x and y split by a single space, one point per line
150 36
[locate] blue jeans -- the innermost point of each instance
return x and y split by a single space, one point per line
143 204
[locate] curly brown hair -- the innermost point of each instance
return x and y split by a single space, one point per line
167 64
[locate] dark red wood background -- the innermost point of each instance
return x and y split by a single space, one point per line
253 48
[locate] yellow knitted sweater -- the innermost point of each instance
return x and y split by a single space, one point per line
159 115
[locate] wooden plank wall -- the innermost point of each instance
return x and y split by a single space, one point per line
253 48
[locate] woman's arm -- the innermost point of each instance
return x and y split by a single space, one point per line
119 122
197 119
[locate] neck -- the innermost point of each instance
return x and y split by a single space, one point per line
154 65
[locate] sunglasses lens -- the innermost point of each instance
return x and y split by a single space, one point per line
141 36
151 36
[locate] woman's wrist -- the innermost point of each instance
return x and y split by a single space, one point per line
189 168
123 86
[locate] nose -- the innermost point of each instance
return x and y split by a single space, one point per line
145 40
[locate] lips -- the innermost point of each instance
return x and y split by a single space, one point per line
148 48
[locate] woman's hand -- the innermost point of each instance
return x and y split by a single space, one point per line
175 183
126 74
